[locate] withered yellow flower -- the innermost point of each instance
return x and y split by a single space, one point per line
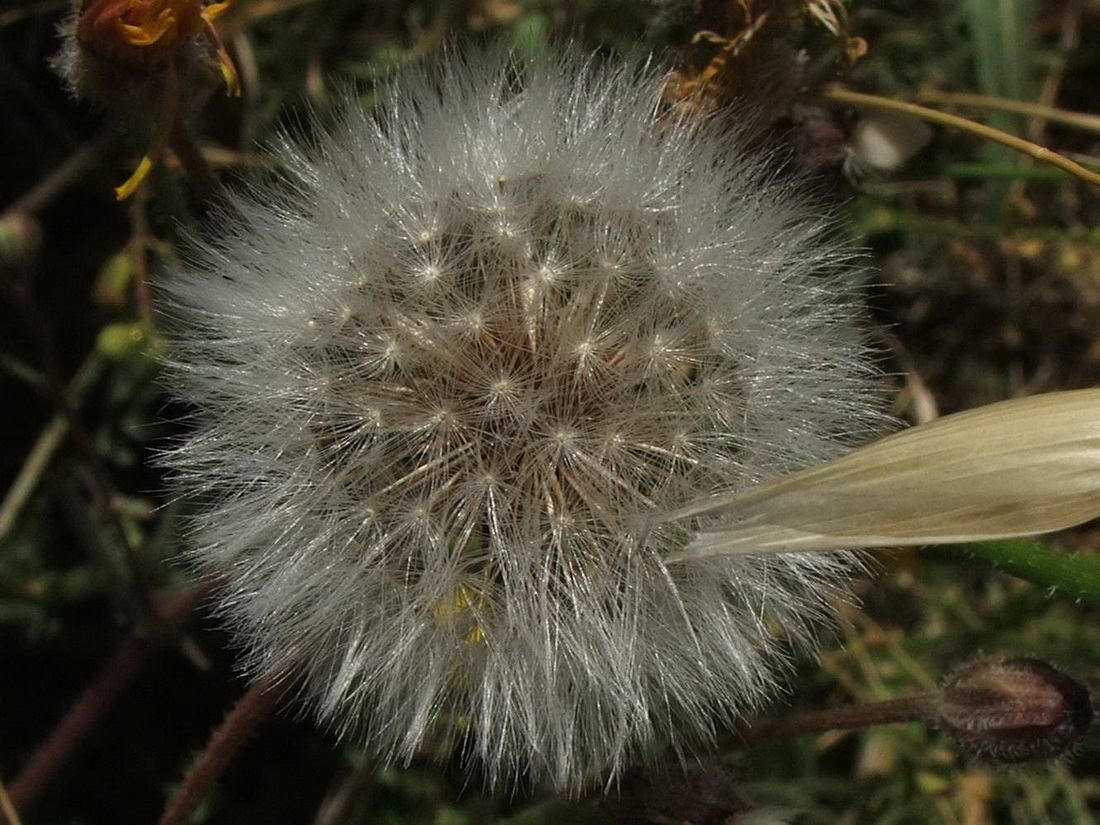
126 54
137 31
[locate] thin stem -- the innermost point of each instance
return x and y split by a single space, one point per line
169 115
349 797
83 158
1080 120
1034 150
52 437
888 711
102 488
98 697
31 10
7 808
138 248
246 716
80 719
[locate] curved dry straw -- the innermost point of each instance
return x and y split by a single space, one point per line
1034 150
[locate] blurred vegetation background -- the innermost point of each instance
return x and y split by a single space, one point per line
985 284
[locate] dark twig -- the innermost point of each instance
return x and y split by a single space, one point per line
140 241
40 456
80 719
98 697
246 716
105 497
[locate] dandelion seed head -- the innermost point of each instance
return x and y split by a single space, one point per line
451 376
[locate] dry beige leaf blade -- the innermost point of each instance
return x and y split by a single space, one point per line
829 13
1014 468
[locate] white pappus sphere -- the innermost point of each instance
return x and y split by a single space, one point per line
454 369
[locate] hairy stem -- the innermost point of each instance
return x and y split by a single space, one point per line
243 720
97 698
904 709
1076 576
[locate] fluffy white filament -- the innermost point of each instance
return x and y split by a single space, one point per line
452 375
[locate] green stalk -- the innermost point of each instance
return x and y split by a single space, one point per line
1074 575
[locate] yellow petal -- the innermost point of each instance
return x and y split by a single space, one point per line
1014 468
151 31
216 10
225 62
144 167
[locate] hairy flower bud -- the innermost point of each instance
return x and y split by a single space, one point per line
454 377
1014 710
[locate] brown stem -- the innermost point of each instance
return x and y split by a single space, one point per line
81 718
243 720
7 808
96 699
905 709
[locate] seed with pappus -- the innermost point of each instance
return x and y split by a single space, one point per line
454 370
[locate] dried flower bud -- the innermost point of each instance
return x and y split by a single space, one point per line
1014 710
